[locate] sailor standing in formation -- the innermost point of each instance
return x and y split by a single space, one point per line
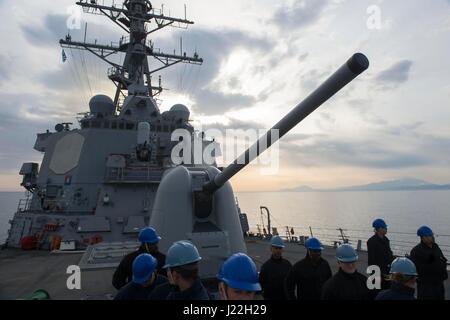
274 271
182 271
307 277
379 251
347 283
149 244
431 266
238 278
403 280
144 279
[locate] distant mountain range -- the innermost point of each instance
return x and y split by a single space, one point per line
404 184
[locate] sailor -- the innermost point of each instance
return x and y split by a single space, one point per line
238 278
274 271
144 279
347 283
149 244
403 275
307 276
431 266
182 272
379 251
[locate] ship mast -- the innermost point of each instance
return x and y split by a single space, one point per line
134 77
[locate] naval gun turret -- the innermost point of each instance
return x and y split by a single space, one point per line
197 203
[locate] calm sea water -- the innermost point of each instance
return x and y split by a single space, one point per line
324 212
8 205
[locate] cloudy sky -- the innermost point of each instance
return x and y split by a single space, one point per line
261 59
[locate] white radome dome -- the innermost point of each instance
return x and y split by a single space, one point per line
101 104
181 111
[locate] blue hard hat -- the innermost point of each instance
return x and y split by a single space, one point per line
404 266
181 253
143 267
346 253
379 224
425 231
239 272
277 242
313 244
148 235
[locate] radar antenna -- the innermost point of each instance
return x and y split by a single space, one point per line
134 77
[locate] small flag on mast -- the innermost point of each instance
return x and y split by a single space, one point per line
64 57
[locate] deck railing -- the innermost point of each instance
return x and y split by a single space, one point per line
401 242
24 204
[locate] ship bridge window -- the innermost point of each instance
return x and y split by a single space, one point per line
130 126
128 112
114 125
106 124
95 124
121 125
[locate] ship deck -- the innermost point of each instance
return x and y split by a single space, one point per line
23 272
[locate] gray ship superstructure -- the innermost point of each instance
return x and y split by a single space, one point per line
98 183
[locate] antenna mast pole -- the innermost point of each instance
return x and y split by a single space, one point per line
134 17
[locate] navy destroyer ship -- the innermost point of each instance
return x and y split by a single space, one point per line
98 185
98 182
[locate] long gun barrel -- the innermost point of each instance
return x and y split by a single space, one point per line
357 64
